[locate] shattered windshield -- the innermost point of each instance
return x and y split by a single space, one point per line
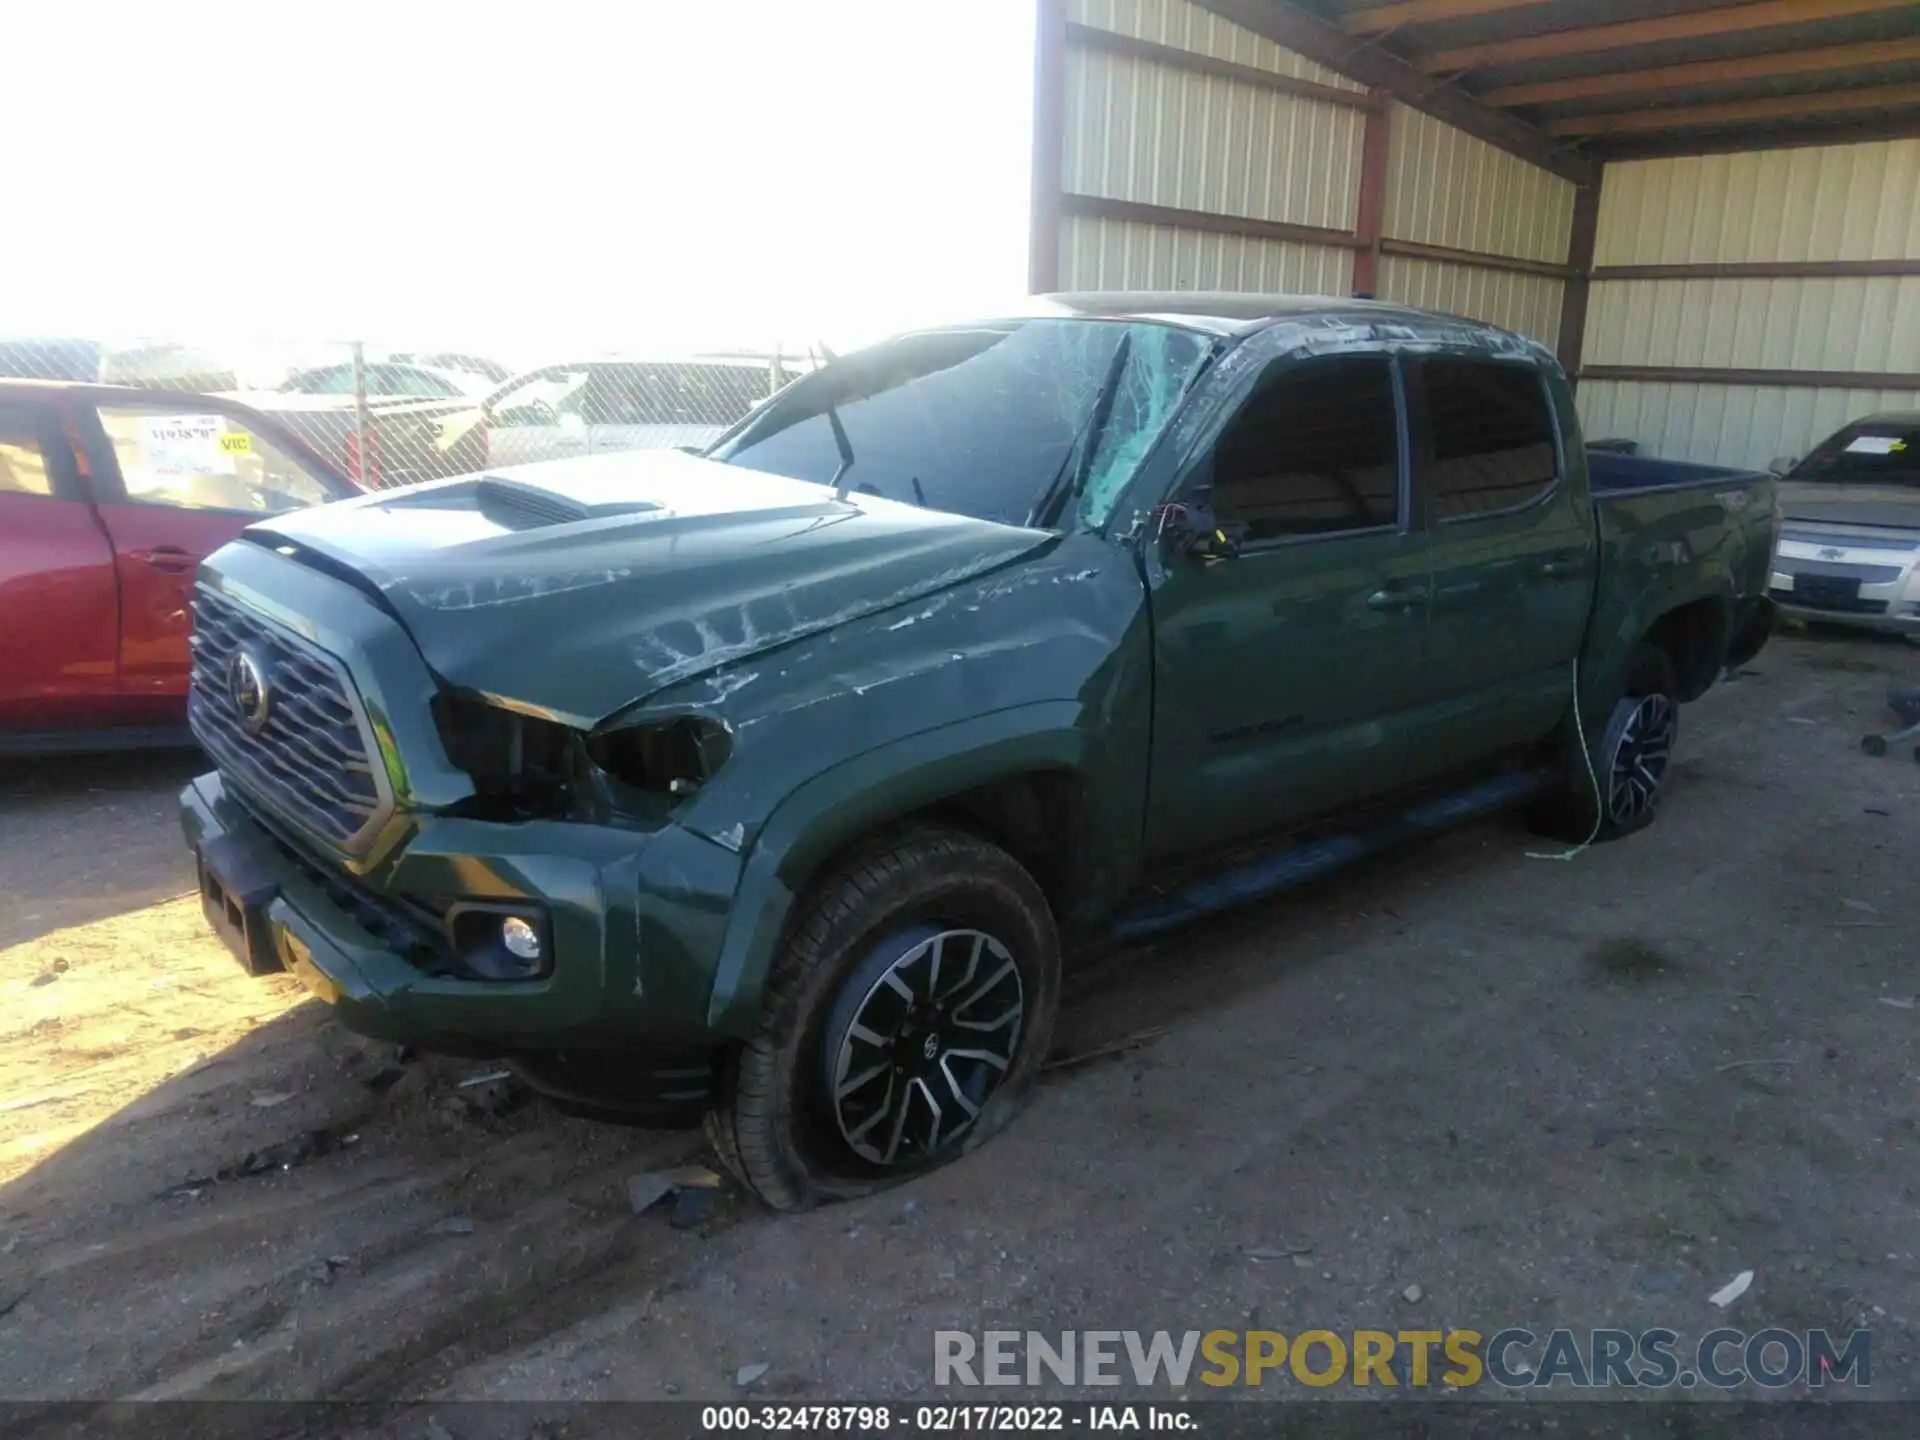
983 421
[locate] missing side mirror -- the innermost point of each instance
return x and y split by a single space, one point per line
1197 533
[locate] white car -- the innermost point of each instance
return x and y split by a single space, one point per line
593 406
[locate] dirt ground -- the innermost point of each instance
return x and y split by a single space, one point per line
1582 1094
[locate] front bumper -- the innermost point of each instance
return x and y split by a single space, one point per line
637 924
1885 623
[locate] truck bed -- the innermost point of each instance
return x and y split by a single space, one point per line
1612 473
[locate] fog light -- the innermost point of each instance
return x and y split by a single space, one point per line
499 942
520 938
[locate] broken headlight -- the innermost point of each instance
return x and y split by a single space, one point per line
525 768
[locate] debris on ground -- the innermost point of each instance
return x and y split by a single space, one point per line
1412 1294
747 1374
272 1159
1862 906
1100 1052
321 1271
1899 1002
487 1077
692 1207
454 1225
267 1099
648 1189
1743 1064
1278 1252
1732 1290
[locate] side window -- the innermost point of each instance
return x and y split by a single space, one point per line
1315 450
23 461
1490 437
204 462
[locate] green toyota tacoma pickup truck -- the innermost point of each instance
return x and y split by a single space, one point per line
772 783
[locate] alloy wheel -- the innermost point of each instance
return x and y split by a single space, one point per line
927 1045
1640 757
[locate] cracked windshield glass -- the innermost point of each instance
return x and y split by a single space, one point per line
998 422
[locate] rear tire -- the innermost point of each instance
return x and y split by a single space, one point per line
1631 758
906 1019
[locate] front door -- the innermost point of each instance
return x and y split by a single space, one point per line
1284 675
59 612
1514 559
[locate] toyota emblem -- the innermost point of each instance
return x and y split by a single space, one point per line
247 685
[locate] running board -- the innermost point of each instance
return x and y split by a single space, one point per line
1296 864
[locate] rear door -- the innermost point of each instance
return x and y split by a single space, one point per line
1514 557
173 484
59 606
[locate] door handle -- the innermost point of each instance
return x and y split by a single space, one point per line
1559 567
1396 597
168 559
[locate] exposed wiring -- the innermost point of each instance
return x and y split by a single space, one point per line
1593 780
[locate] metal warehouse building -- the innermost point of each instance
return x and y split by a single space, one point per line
1710 210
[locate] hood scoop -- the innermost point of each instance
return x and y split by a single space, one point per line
516 505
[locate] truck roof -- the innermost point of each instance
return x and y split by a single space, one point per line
1223 312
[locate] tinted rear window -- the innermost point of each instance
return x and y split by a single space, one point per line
1490 437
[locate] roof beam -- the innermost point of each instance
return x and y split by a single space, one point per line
1735 112
1294 29
1378 19
1707 72
1787 135
1692 25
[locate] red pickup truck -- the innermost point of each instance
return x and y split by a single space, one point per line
109 499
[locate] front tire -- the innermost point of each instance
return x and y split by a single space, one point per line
1631 758
906 1019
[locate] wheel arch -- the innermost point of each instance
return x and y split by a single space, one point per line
1021 777
1693 631
1693 636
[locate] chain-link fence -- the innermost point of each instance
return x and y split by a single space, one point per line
389 416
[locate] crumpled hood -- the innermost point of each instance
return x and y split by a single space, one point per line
575 588
1892 506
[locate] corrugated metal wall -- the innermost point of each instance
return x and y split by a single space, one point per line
1843 202
1117 255
1188 27
1527 303
1138 129
1838 203
1725 424
1147 132
1445 187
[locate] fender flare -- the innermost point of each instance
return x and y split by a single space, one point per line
856 798
1603 672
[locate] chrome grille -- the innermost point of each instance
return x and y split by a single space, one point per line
309 761
1805 535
